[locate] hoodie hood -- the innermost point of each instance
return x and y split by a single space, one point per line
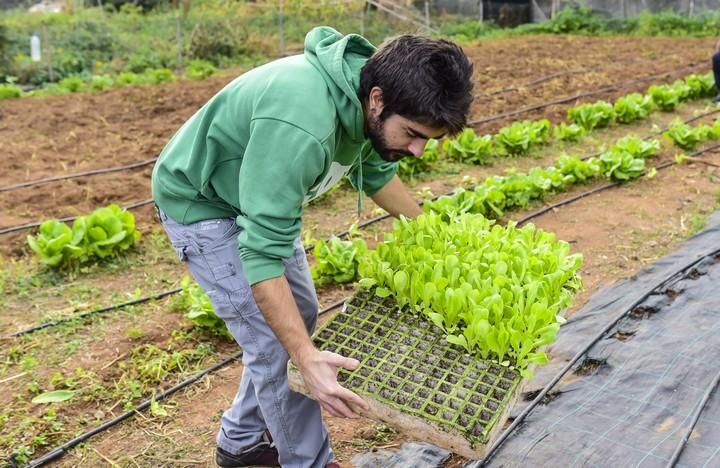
340 58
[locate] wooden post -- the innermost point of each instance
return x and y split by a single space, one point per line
691 9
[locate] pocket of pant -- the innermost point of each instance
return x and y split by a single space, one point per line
207 240
300 256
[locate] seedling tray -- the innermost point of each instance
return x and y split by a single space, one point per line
415 380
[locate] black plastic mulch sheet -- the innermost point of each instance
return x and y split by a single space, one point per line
630 400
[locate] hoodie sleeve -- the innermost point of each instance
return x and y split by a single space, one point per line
281 162
376 173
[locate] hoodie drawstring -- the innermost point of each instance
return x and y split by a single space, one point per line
360 188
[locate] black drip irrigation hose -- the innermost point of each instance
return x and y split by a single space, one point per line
564 100
108 170
602 188
374 220
552 76
36 182
101 310
696 417
62 449
521 417
22 227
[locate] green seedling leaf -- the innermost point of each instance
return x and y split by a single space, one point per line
56 396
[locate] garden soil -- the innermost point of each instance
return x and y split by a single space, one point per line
43 137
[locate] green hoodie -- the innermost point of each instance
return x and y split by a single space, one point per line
269 142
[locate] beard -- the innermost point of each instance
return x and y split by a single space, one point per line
376 134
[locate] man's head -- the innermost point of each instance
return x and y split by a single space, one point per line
414 88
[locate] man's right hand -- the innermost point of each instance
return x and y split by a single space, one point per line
319 370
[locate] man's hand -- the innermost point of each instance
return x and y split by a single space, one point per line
396 200
319 370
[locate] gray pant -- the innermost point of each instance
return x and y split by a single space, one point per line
263 401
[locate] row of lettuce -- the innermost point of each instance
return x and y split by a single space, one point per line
495 290
110 230
522 137
494 323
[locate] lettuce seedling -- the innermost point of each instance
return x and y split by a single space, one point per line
336 261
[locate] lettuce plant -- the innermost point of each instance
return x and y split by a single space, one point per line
621 166
103 233
665 97
592 115
496 291
637 147
517 139
336 261
685 136
632 107
196 307
469 147
568 132
701 86
56 244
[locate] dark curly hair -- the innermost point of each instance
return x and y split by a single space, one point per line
422 79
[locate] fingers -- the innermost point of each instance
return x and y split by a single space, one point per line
341 361
353 398
337 407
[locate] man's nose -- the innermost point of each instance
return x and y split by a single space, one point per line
417 147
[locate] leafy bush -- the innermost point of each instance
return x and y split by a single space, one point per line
496 291
102 234
9 91
101 82
160 75
576 169
72 84
199 69
128 78
621 166
106 232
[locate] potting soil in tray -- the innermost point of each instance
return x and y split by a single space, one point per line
406 365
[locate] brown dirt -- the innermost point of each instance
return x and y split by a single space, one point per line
43 137
617 231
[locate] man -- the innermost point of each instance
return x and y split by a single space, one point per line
230 188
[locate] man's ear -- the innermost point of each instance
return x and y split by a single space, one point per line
375 99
